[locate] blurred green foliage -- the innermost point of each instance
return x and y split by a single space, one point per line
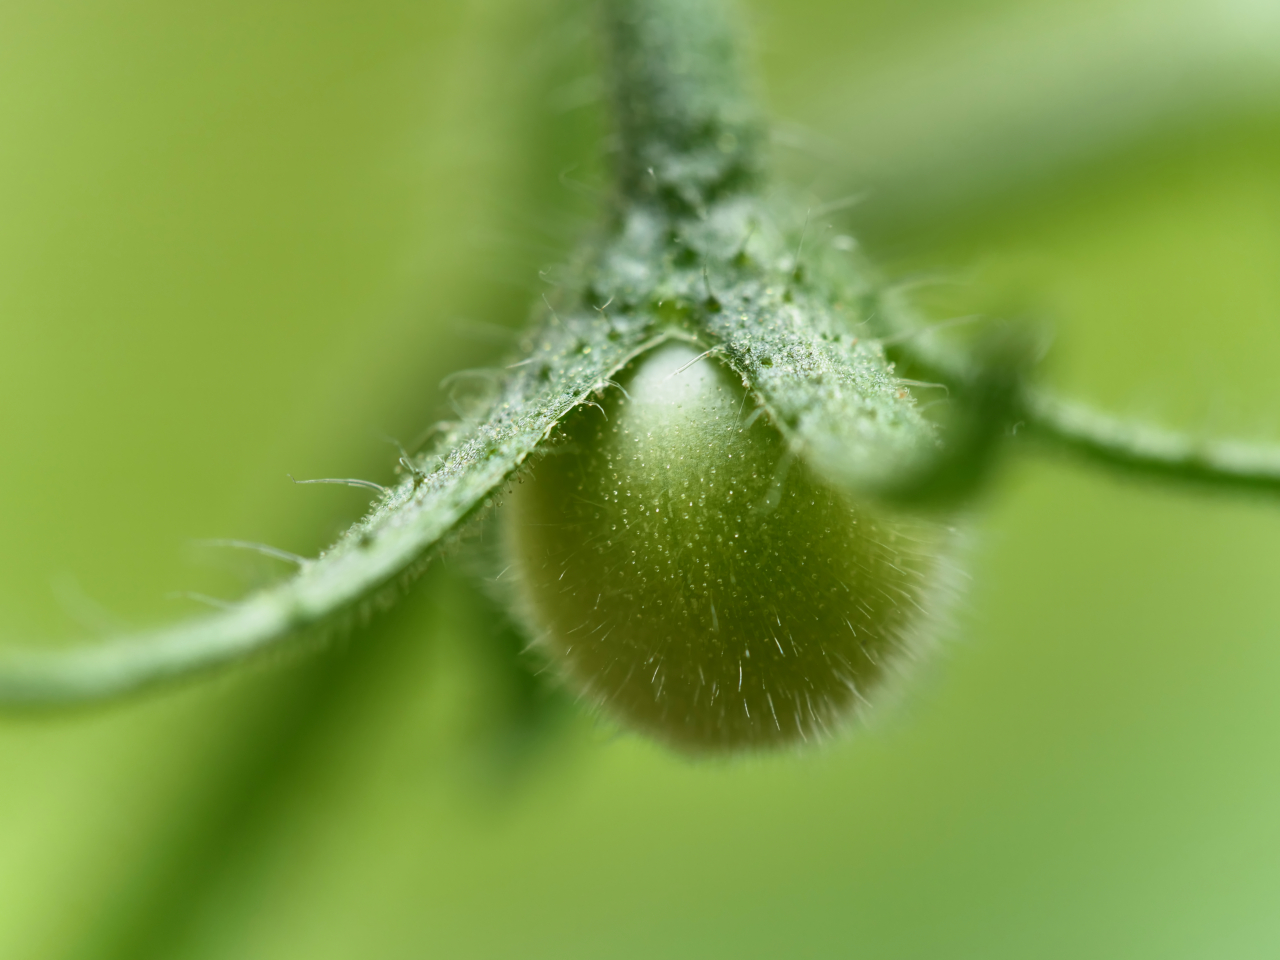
244 240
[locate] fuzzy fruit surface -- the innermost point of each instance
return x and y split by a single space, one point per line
692 577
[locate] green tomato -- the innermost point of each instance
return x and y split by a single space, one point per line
698 581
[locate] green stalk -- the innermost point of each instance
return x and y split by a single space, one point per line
688 133
1150 451
997 401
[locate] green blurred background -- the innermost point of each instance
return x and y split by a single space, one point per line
240 240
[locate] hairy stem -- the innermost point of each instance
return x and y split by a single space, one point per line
1084 431
1144 449
688 132
1034 413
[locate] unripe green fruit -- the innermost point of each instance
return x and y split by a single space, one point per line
699 582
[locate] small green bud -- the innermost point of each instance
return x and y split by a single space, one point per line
699 582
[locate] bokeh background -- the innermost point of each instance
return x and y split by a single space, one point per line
244 239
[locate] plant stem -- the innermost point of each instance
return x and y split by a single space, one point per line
688 131
1084 431
1143 449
